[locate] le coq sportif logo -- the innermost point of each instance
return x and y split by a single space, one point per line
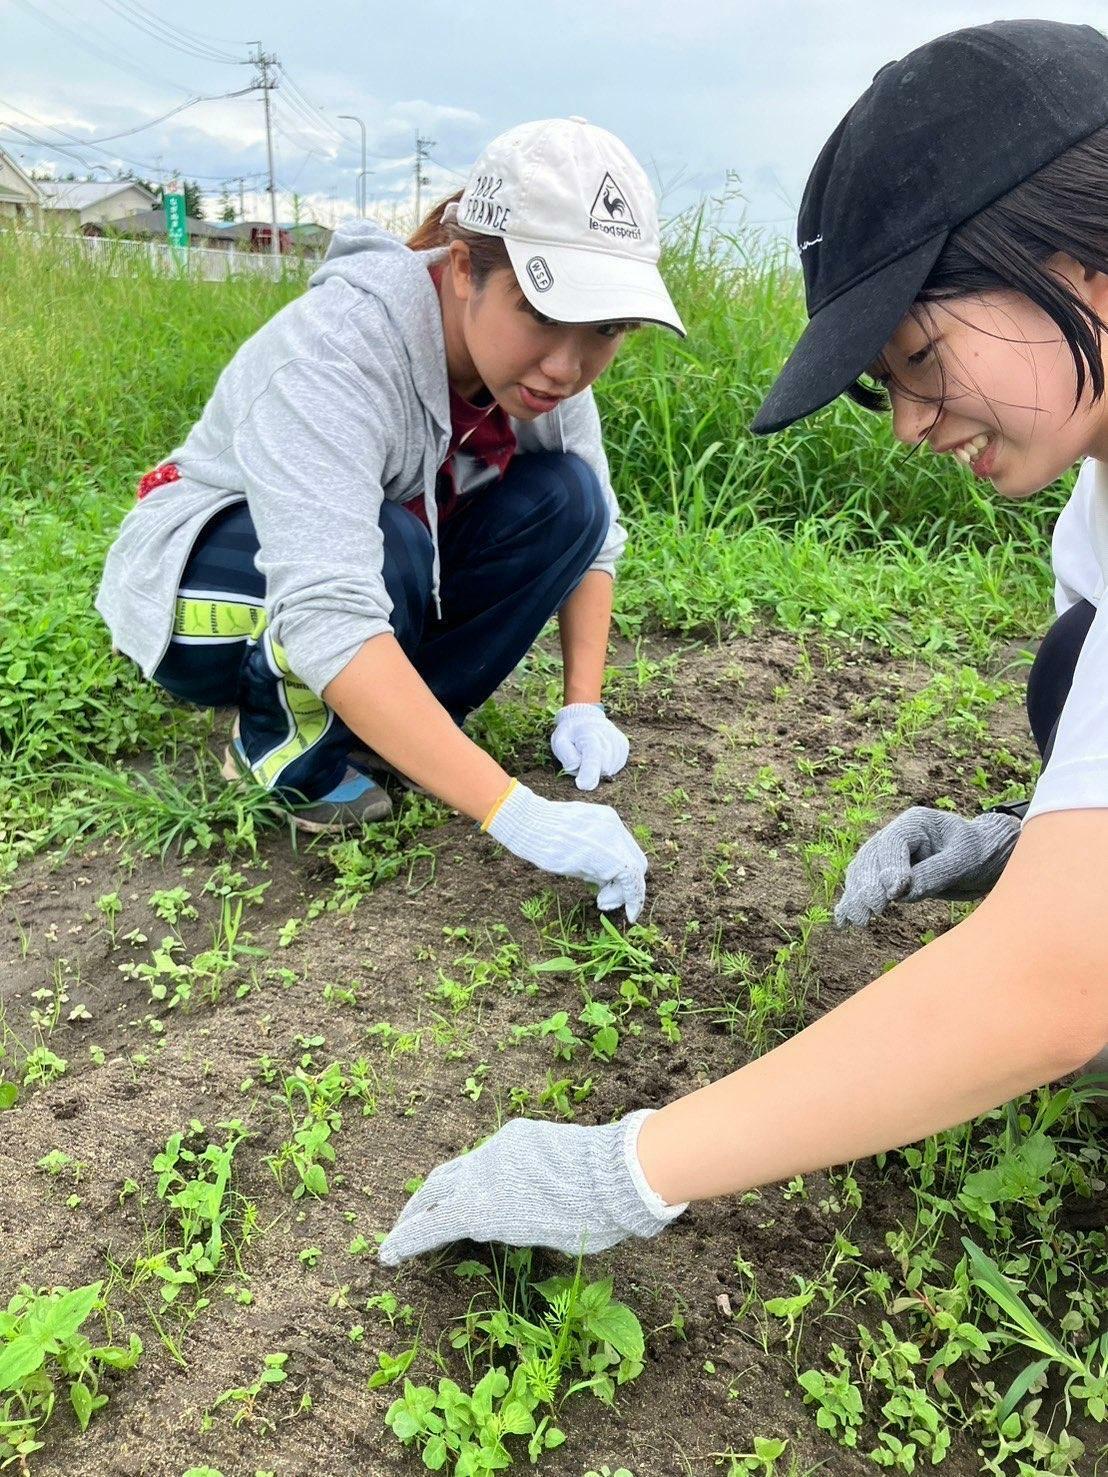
611 212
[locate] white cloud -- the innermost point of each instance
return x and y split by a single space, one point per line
697 89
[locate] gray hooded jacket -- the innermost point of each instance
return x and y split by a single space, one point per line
340 401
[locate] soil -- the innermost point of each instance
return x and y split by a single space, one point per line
702 732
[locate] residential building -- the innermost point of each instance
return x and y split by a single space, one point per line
20 196
257 235
71 205
310 238
149 225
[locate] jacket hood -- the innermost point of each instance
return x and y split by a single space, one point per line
376 263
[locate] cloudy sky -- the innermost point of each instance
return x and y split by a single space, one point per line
714 96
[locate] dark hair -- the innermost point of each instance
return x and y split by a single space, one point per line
1062 207
487 254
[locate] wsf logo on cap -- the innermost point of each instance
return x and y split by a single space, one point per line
540 274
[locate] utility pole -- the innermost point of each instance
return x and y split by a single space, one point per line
422 145
359 191
262 79
241 181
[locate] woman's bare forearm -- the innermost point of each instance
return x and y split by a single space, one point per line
382 697
584 622
1011 998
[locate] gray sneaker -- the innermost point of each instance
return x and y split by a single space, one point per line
355 799
369 762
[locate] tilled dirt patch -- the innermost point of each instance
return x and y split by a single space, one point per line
737 752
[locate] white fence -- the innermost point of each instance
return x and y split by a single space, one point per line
209 264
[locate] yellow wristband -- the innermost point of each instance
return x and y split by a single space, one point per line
495 811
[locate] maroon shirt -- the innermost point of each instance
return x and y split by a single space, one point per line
482 444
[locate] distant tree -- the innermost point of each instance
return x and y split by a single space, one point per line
194 201
137 179
190 188
226 206
297 209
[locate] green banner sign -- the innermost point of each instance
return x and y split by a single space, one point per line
176 222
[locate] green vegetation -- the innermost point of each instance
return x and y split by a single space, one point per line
195 1184
830 526
41 1346
537 1335
947 1302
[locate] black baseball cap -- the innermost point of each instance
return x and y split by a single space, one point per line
939 135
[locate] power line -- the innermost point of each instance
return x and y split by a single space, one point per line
306 108
307 115
306 105
144 166
184 30
446 168
297 144
298 95
167 34
288 189
108 154
107 138
313 117
57 148
297 118
112 58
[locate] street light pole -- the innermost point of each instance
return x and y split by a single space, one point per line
360 192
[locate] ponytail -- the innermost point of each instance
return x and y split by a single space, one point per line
431 232
487 254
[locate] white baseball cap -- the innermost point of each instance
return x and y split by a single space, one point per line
579 219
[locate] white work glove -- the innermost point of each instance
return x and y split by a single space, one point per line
570 1188
574 839
587 743
926 853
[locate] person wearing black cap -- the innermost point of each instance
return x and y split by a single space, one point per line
954 242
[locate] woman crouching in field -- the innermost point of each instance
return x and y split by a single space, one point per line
954 240
397 482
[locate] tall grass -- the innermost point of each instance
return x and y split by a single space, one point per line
829 524
677 416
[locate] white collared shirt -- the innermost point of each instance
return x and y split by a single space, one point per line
1077 776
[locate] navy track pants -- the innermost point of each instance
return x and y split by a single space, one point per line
510 556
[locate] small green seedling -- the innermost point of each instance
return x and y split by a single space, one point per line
41 1344
573 1328
762 1461
110 904
171 904
196 1184
245 1396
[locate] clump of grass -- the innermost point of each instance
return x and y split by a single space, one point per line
828 525
677 415
103 375
163 809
